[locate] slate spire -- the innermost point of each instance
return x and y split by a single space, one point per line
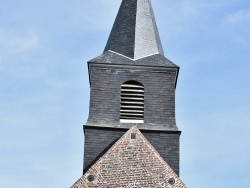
134 33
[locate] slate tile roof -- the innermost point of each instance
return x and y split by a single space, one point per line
156 60
132 162
134 33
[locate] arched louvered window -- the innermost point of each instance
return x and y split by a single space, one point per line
132 102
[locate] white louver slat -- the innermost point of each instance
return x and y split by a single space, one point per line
132 102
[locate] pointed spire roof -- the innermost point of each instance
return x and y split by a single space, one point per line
131 162
135 34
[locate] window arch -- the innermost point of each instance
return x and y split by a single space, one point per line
132 102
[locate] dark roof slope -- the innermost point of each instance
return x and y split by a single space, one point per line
134 33
156 60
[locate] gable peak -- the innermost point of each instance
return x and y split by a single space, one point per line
131 162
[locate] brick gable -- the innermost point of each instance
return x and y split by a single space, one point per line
130 163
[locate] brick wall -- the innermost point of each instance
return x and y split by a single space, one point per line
131 162
99 140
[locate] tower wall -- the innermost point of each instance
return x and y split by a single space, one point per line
99 140
133 53
159 97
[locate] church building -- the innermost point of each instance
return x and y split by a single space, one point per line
131 136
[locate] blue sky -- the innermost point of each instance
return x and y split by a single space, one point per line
44 89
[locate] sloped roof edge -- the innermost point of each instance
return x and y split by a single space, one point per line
153 60
134 33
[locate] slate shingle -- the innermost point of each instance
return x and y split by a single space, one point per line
134 33
156 60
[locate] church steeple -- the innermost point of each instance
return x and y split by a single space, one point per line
135 33
132 83
133 58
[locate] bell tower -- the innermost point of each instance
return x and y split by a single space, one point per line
132 83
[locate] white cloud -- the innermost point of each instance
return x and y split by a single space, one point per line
11 42
190 17
238 17
93 15
178 17
235 28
